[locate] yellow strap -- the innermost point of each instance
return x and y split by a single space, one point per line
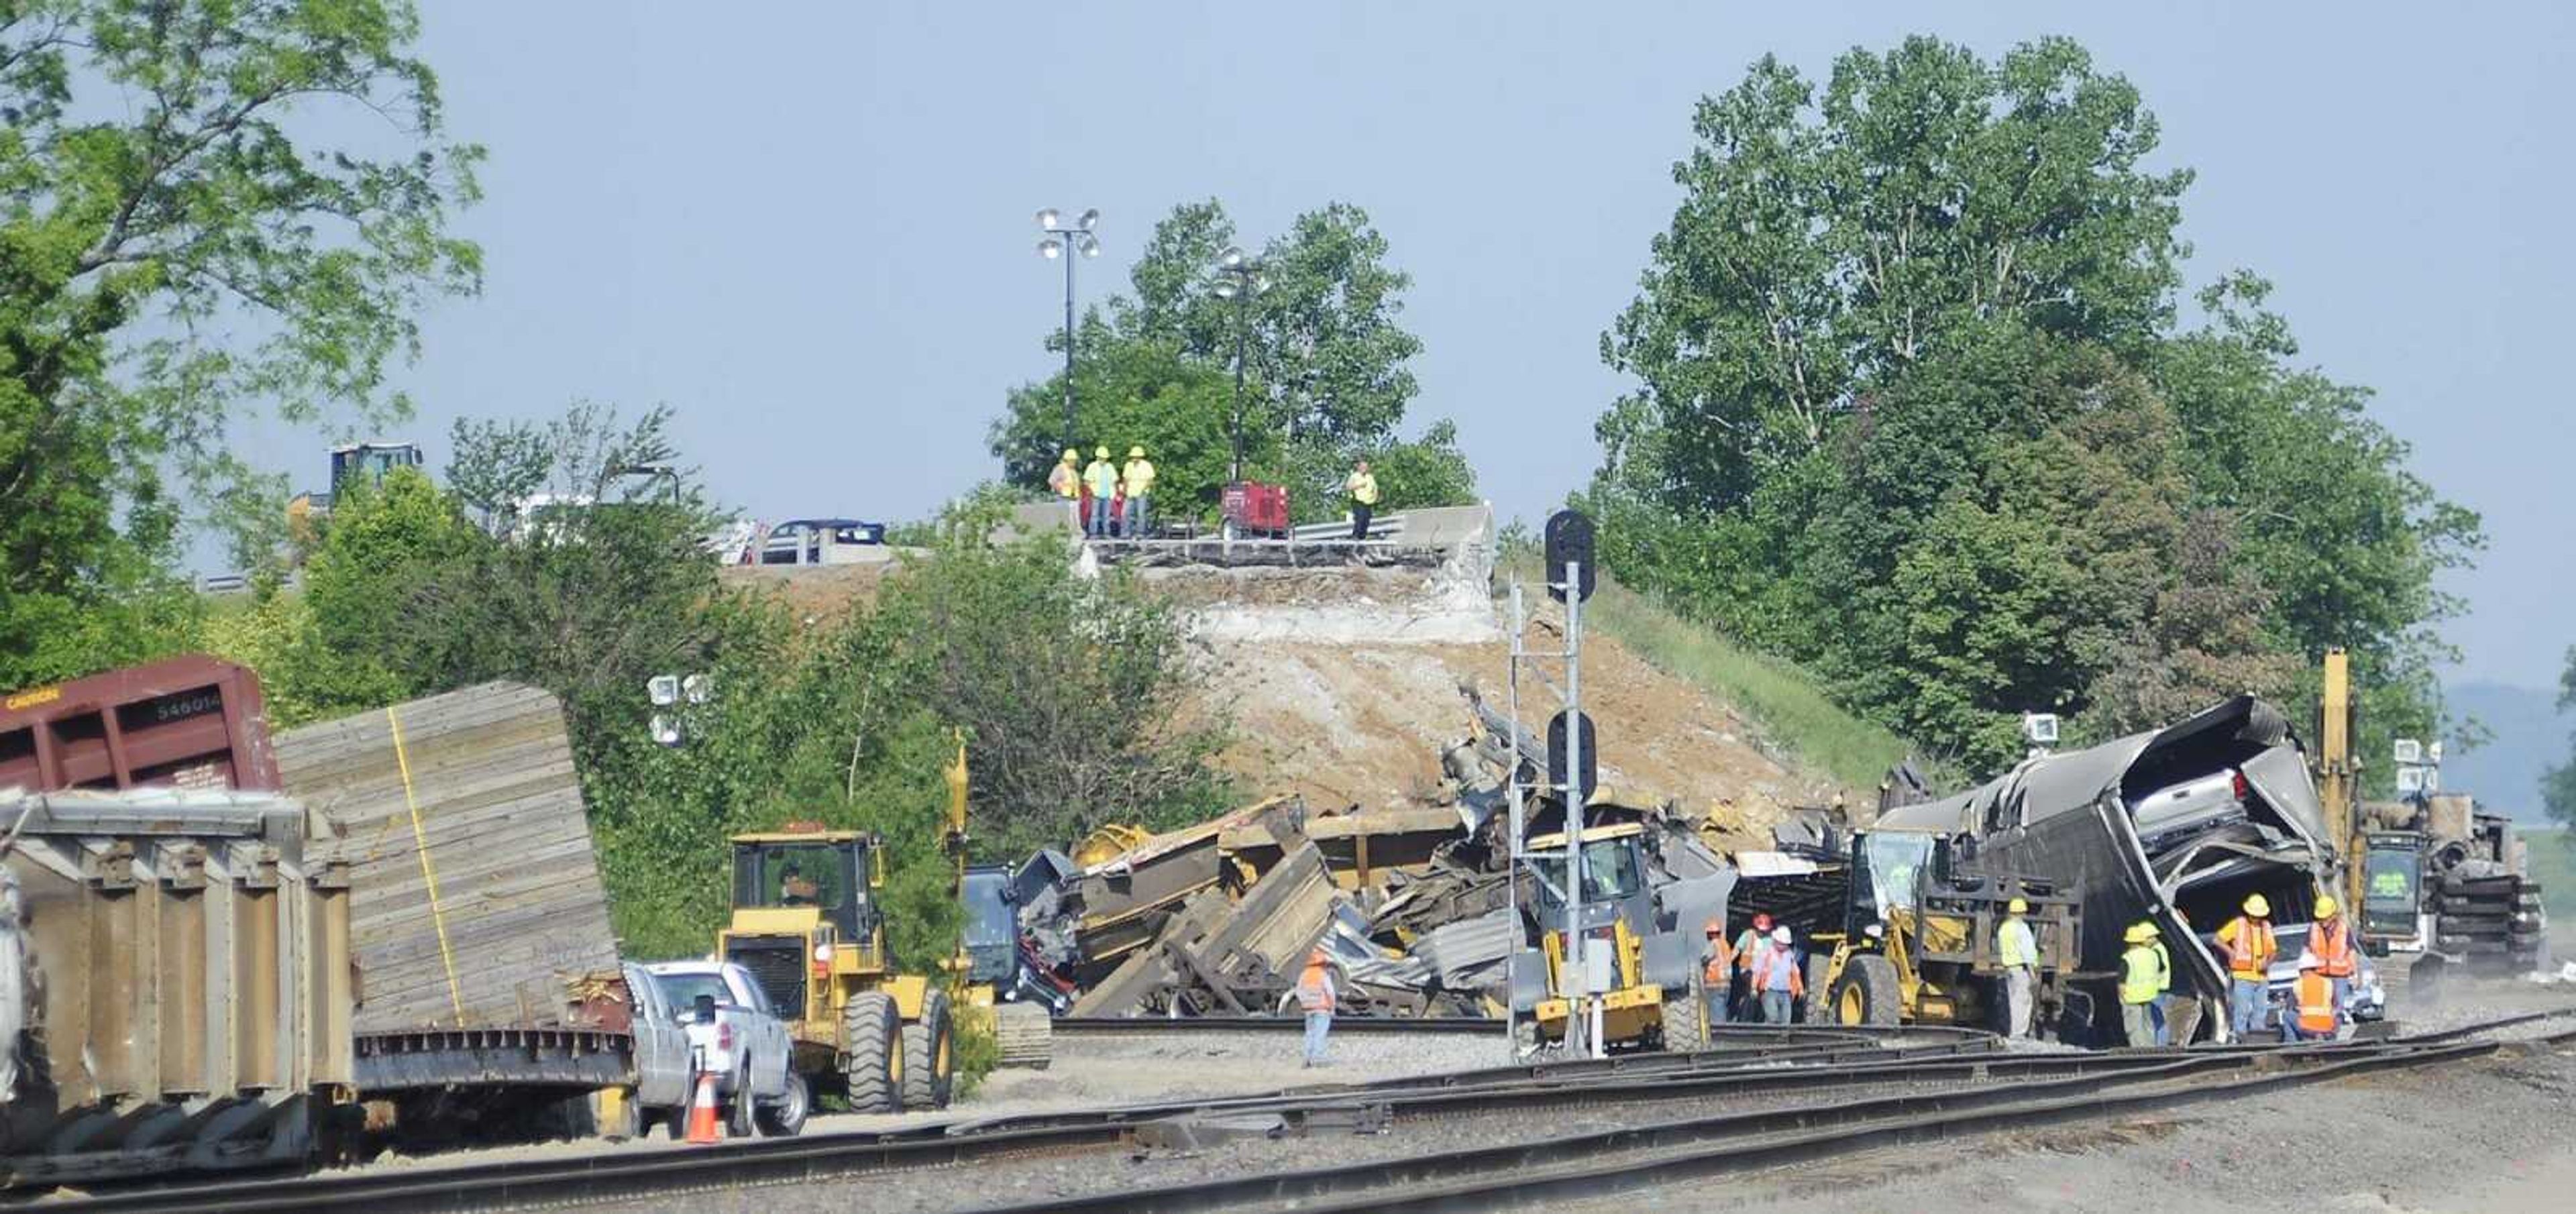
428 871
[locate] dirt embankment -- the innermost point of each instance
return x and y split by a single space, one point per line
1342 685
1326 708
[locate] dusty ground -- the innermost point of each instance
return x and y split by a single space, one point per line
2485 1136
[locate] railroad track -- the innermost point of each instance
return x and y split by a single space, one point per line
2005 1088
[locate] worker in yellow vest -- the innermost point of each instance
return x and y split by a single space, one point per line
1137 478
1066 480
2141 982
2250 946
2018 951
1101 478
1362 486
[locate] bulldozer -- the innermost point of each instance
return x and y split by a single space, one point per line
1645 988
1917 944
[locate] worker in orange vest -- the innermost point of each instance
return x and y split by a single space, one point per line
1716 970
1776 977
2248 942
2330 938
2314 1012
1315 994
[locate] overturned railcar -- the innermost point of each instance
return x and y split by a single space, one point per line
2176 827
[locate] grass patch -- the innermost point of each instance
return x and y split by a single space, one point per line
1785 702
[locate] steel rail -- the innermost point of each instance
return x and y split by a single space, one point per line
1530 1173
630 1173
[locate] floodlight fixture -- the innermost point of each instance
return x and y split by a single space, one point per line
1048 219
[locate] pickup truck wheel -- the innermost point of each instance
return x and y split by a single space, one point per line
872 1032
786 1117
930 1055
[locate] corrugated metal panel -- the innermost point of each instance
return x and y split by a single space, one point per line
476 889
182 951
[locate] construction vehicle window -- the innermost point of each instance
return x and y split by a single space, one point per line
793 874
1611 870
2390 878
989 919
1897 861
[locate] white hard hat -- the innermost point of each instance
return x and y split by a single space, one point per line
1780 935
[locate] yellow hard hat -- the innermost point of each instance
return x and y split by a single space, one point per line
2326 906
2142 933
2257 906
1071 455
1135 453
2018 907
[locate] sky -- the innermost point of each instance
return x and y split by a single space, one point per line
808 227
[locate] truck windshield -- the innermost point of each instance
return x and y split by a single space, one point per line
1611 870
792 874
682 991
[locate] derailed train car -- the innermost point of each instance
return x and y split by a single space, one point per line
2175 827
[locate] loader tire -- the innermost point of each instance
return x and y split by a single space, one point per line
1027 1035
1686 1022
1867 994
930 1055
1818 1006
872 1030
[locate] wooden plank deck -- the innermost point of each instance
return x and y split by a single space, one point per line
500 807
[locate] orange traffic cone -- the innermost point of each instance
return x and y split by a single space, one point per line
702 1111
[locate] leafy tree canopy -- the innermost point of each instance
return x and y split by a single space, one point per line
1913 407
164 187
1325 368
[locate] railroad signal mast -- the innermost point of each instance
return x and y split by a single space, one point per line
1573 767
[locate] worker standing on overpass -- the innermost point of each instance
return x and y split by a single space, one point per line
2018 951
1101 478
1137 478
1066 480
1362 487
2250 948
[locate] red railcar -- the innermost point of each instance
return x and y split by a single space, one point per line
187 722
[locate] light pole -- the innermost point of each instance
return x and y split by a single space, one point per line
1239 278
1062 243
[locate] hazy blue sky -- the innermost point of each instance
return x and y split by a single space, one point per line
807 226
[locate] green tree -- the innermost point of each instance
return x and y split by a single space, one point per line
1327 376
1912 409
2558 784
155 198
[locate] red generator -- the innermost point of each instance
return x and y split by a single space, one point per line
1255 509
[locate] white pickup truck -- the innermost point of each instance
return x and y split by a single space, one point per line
735 1035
